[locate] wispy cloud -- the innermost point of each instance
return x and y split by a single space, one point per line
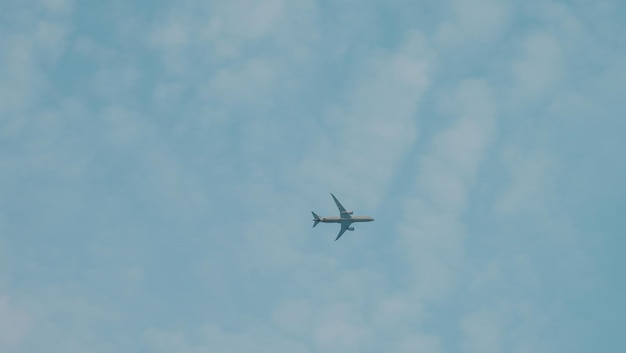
14 324
158 163
368 133
432 231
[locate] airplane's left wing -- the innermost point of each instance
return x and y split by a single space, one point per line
344 227
342 210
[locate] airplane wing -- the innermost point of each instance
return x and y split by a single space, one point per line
344 227
342 210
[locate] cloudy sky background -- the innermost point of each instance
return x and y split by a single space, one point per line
159 161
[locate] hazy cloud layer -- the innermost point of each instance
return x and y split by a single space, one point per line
159 162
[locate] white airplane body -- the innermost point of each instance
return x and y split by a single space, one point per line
345 219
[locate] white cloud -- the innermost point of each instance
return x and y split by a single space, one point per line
561 20
532 178
242 56
22 77
29 45
431 232
339 329
419 343
250 84
542 67
162 341
396 310
502 275
58 7
124 127
14 324
361 140
214 339
483 332
503 326
116 83
223 32
249 19
172 34
168 95
473 23
500 306
294 316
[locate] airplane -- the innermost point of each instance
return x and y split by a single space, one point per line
345 219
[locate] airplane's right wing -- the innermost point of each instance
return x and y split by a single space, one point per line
344 227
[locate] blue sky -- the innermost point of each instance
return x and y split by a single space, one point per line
159 161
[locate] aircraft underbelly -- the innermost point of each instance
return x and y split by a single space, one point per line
333 220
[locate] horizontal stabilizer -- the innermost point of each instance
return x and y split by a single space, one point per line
316 219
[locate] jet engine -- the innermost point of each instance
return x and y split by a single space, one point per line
350 228
347 212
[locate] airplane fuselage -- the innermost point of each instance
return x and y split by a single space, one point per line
354 219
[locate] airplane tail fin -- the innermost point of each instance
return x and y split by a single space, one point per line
316 219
